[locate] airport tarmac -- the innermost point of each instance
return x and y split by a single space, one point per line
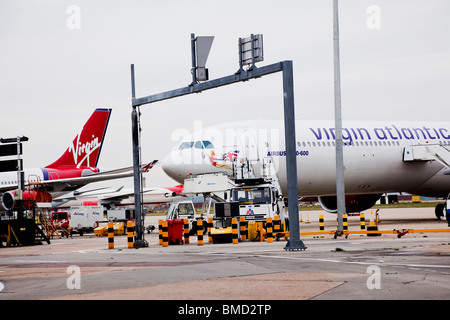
415 266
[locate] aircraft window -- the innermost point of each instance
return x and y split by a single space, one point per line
209 145
304 144
309 144
328 143
186 145
314 144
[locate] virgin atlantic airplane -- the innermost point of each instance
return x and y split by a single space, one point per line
379 157
75 168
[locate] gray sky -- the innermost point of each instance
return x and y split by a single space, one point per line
59 60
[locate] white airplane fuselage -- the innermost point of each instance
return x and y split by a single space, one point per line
373 155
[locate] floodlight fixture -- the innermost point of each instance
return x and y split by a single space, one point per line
251 50
200 47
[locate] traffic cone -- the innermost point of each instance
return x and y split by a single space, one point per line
372 227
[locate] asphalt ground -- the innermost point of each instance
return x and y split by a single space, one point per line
359 267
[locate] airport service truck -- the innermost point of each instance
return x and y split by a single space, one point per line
258 202
186 210
78 219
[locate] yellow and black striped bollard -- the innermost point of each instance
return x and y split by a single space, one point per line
243 227
110 235
321 223
269 230
160 231
210 225
200 232
130 233
345 223
276 224
362 220
234 231
186 231
165 234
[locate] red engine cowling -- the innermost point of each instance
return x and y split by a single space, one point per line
8 201
353 202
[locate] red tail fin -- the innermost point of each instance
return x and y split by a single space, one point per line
85 148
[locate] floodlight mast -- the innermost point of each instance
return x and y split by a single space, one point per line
137 171
340 186
242 75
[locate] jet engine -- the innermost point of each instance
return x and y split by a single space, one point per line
353 203
8 199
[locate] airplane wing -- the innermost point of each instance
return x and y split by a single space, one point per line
61 186
70 184
123 194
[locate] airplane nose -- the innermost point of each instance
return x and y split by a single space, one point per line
172 169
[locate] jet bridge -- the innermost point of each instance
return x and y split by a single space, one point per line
429 152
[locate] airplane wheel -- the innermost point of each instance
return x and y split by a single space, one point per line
439 210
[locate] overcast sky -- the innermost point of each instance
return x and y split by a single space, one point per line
59 60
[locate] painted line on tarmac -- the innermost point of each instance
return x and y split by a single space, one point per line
401 265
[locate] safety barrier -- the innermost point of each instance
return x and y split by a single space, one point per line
362 220
372 229
186 231
276 224
110 235
321 223
210 225
130 234
243 228
269 230
160 231
165 234
200 232
234 231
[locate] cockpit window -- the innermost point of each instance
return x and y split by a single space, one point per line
208 144
205 144
186 145
198 145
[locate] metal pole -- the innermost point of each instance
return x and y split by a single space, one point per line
140 242
294 242
340 187
194 63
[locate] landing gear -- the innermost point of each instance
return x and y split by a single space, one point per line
439 210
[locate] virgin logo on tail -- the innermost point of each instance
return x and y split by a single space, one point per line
85 148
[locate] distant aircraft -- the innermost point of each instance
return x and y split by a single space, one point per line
76 167
119 197
379 157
